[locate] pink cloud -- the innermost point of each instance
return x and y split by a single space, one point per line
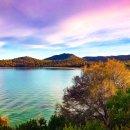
115 20
69 22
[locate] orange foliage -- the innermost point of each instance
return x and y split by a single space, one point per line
3 121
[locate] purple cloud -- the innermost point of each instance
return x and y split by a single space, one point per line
62 24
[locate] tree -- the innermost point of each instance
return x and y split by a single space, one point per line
119 110
86 99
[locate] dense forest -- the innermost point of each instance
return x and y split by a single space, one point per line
99 99
62 60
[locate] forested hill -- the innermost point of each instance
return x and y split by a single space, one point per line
105 58
63 60
64 56
68 60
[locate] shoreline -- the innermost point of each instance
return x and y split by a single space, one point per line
62 68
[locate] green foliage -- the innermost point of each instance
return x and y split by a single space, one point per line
5 128
33 125
119 109
56 123
90 125
70 127
94 125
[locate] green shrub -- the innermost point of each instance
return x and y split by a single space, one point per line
5 128
33 125
90 125
56 122
119 110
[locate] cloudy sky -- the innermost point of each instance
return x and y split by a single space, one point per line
41 28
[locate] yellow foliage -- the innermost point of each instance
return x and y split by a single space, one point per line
108 77
4 121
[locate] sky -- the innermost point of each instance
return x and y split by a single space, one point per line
42 28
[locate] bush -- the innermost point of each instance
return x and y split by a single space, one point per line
119 110
33 125
90 125
5 128
3 121
56 123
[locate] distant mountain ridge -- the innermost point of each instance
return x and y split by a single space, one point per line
62 60
64 56
68 56
105 58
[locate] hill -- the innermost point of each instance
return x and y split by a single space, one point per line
64 56
62 60
26 62
25 58
67 56
65 60
105 58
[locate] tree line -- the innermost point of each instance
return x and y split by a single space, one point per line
32 62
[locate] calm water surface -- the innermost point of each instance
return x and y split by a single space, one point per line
32 93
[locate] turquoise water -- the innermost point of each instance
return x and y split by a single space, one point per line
32 93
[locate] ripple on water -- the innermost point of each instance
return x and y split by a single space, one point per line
46 106
27 94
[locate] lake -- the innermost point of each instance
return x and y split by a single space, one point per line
32 93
